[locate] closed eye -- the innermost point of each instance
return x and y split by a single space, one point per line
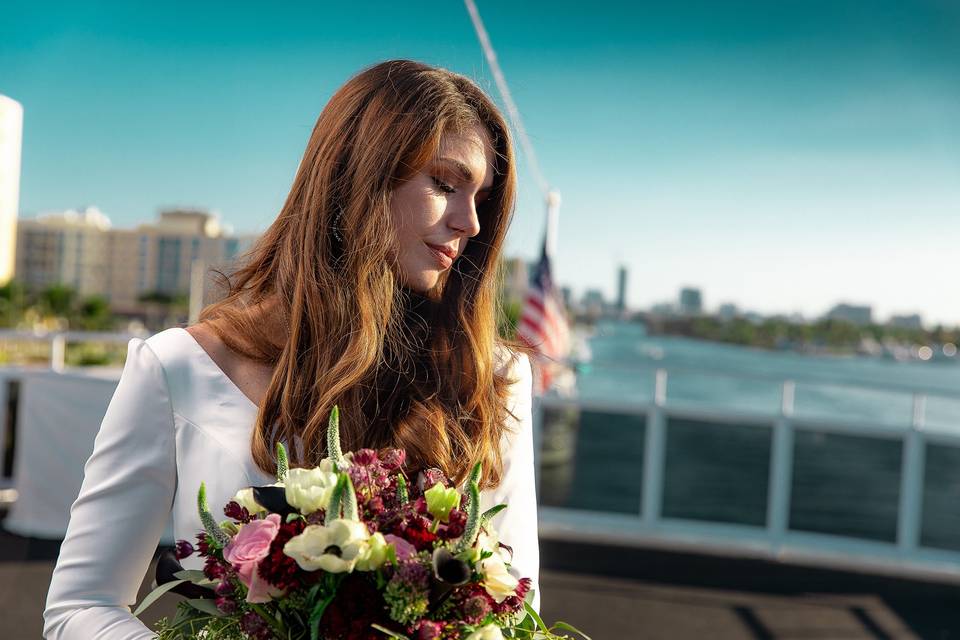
443 186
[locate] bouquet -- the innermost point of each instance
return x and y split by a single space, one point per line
349 550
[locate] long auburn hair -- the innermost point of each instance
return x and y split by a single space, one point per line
425 373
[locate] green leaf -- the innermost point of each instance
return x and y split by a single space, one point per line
349 500
317 614
402 494
389 633
193 575
536 617
205 605
569 627
294 516
336 500
155 594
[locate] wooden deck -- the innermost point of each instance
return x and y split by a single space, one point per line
616 593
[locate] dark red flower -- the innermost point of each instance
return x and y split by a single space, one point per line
427 630
357 605
236 512
226 605
278 568
417 532
183 549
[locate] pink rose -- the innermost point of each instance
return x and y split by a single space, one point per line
247 549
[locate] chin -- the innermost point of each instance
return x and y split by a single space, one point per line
423 283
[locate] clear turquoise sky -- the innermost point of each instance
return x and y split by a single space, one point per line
781 155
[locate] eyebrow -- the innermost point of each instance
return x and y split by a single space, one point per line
464 172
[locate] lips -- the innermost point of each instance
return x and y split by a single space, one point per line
444 255
447 251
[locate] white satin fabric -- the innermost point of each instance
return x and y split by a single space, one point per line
175 420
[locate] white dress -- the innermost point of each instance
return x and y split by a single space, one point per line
175 420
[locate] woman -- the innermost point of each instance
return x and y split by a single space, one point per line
374 289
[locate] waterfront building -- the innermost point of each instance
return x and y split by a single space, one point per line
691 301
69 248
593 302
854 314
80 249
911 321
728 312
11 138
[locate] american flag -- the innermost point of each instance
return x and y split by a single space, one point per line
543 324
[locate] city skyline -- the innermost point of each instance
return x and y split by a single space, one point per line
784 157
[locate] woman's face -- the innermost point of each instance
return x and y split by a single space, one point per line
435 211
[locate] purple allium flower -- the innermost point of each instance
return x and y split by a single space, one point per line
414 575
427 630
183 549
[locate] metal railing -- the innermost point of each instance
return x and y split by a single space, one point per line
777 536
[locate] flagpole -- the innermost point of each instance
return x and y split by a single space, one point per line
553 221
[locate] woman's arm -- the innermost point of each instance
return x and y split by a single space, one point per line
517 524
121 511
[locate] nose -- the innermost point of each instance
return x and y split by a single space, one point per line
464 218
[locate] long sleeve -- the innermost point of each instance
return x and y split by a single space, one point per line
121 511
517 524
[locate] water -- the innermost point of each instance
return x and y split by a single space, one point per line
714 375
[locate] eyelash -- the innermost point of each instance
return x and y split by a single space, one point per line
443 186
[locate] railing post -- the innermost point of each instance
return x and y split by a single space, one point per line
654 453
781 467
911 479
58 352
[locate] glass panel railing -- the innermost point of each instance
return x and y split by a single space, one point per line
940 517
716 472
592 459
845 485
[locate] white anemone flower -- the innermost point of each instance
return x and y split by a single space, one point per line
334 547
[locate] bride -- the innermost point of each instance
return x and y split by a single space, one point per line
374 289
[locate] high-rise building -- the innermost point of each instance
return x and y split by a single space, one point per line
622 288
79 249
691 301
69 248
854 314
11 138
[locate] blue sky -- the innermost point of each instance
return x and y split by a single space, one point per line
781 155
